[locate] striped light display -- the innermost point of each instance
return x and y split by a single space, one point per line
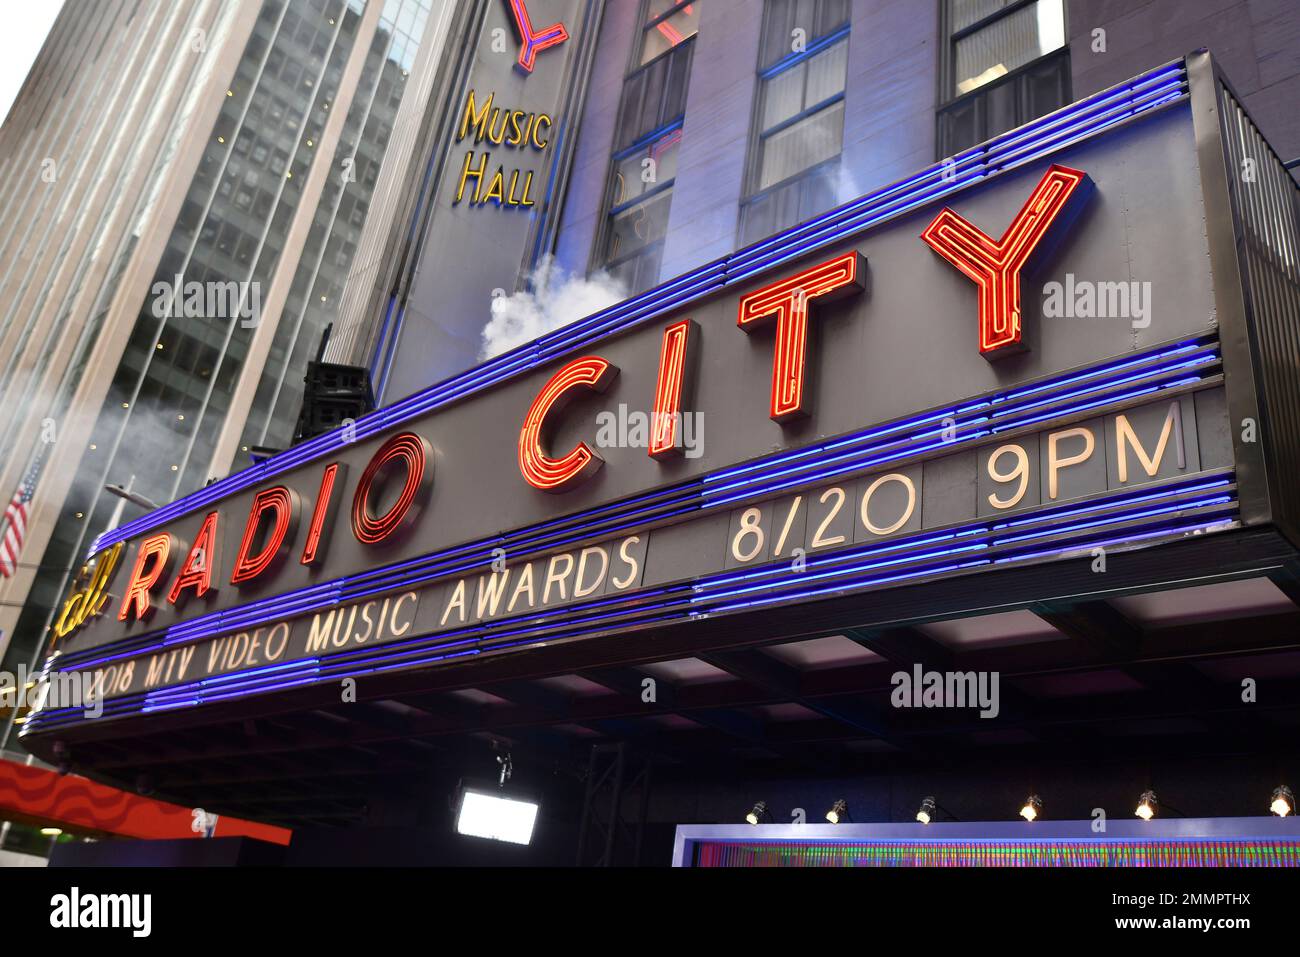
1117 381
1080 121
994 853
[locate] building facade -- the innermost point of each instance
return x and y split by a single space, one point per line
188 187
706 127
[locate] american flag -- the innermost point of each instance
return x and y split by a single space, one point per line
15 517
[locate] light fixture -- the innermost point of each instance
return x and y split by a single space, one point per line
1283 802
839 812
1147 805
496 815
506 767
1033 807
758 813
926 812
51 831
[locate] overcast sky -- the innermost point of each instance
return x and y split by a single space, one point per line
26 23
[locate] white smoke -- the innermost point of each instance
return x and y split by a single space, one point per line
557 299
846 186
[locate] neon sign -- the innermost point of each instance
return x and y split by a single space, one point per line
393 488
787 301
531 41
995 265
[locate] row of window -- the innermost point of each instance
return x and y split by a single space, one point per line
1005 62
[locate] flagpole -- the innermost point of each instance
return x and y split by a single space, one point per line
124 495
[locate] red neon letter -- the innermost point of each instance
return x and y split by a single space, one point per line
414 453
283 504
996 266
135 603
540 470
788 300
196 570
322 514
533 42
665 434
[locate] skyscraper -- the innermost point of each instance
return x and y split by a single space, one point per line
186 186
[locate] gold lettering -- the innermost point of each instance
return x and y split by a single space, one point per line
479 120
1125 437
1054 461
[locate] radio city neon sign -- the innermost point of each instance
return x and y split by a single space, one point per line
405 461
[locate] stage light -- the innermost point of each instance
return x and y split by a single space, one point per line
926 813
1033 807
838 812
1283 801
1147 805
497 815
758 813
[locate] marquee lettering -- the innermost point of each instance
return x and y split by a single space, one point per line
787 302
539 469
995 265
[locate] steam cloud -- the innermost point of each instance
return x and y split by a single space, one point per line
557 299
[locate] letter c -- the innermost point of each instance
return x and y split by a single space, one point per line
540 470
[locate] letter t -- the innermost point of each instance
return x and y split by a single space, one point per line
787 301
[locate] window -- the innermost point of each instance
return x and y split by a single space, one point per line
799 115
1006 63
649 131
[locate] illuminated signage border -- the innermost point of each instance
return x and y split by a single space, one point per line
1016 482
972 421
1196 505
1082 120
1156 512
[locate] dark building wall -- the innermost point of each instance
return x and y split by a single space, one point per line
1256 42
715 138
888 123
891 97
583 204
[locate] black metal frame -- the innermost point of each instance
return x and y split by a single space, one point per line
598 258
948 103
758 137
1268 494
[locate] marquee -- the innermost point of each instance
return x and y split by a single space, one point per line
883 402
